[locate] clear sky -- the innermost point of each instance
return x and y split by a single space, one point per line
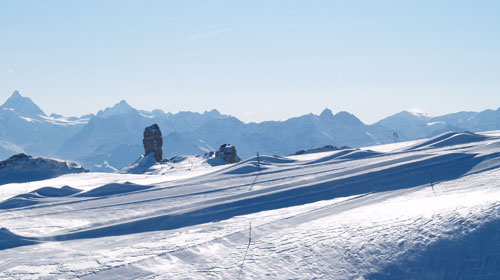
257 60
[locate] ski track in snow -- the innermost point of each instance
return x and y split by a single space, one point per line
331 215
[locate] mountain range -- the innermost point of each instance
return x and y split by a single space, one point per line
112 138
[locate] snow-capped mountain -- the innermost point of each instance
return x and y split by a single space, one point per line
112 139
115 136
25 127
410 125
23 106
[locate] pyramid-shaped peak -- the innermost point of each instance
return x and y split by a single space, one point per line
23 106
326 113
122 104
119 108
348 118
15 94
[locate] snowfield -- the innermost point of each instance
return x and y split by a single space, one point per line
426 209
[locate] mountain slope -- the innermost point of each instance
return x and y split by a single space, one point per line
24 168
113 138
322 215
25 125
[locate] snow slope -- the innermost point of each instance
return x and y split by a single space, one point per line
431 212
24 168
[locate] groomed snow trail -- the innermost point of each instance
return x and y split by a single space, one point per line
333 215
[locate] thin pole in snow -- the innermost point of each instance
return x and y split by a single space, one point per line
246 252
432 183
258 171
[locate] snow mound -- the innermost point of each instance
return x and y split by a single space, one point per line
114 188
257 164
245 168
37 196
24 168
450 139
141 165
347 154
176 164
11 240
271 159
56 192
473 254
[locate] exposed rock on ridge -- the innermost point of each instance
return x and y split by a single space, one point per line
153 142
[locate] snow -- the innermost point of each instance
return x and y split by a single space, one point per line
29 119
24 168
118 109
436 123
347 214
65 121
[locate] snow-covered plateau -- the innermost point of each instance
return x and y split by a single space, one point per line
427 209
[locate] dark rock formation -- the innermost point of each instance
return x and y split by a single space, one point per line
153 141
24 168
227 153
326 148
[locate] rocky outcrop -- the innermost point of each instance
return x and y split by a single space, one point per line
227 153
25 168
327 148
153 142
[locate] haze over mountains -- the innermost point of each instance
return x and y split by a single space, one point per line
113 137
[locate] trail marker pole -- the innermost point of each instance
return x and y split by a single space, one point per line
246 252
432 183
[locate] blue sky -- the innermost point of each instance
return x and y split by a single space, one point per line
257 60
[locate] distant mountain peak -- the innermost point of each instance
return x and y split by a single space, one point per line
213 113
416 112
122 105
348 118
23 106
326 114
15 94
119 108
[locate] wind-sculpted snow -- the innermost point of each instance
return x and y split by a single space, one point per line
473 254
11 240
112 189
141 166
255 164
347 214
37 196
450 139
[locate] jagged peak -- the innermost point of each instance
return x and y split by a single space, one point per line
213 112
23 106
123 104
326 114
16 94
347 117
119 108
